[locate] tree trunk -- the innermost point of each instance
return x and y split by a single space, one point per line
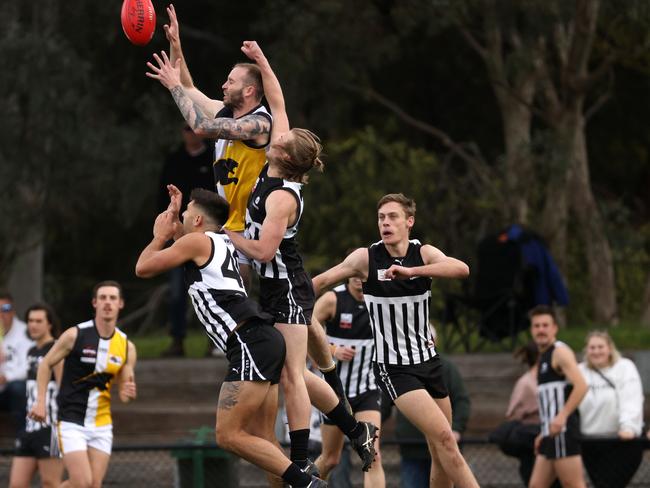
598 253
26 279
645 310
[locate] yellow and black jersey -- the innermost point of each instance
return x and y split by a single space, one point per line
237 164
88 372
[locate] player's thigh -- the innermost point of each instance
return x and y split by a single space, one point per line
51 471
263 424
22 471
570 471
239 402
543 473
423 412
77 465
445 407
295 338
98 465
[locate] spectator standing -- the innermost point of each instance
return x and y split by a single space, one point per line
188 167
612 409
13 367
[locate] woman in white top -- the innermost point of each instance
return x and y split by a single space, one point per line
612 408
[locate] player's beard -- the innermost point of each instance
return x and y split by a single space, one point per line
235 100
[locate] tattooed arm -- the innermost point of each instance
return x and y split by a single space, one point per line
209 106
252 127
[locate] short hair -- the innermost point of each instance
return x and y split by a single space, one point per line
5 295
408 204
614 356
542 310
527 354
50 314
215 207
303 153
107 283
253 78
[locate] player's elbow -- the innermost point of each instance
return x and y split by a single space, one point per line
142 270
463 270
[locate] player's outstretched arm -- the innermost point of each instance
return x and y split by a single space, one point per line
272 89
172 32
355 265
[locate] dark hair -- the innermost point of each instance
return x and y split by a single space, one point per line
5 295
51 315
253 78
542 310
215 207
408 204
303 153
107 283
527 354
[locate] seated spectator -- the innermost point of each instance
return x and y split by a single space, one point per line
13 368
612 409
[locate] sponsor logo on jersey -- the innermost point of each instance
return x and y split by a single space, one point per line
89 351
346 321
381 275
543 367
114 359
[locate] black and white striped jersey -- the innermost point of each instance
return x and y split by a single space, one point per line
286 258
217 291
350 327
552 391
398 309
34 358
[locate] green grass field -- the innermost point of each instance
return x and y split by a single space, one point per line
627 335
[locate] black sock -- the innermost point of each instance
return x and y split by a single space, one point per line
332 378
295 477
299 444
344 421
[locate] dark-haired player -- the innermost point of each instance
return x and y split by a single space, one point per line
255 349
36 448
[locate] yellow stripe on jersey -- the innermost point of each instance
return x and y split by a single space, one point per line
242 166
110 362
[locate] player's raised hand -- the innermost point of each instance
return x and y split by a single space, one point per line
168 74
163 227
172 31
175 199
252 50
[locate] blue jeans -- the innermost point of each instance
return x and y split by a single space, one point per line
415 472
13 399
177 303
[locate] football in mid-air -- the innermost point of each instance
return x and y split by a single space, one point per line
138 21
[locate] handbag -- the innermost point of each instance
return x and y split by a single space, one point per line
515 438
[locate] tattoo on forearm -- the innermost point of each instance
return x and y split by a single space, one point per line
229 396
246 128
191 112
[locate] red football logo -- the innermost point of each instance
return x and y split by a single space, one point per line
138 21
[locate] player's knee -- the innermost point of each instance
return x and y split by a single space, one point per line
445 439
227 439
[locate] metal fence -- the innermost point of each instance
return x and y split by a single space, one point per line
194 466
